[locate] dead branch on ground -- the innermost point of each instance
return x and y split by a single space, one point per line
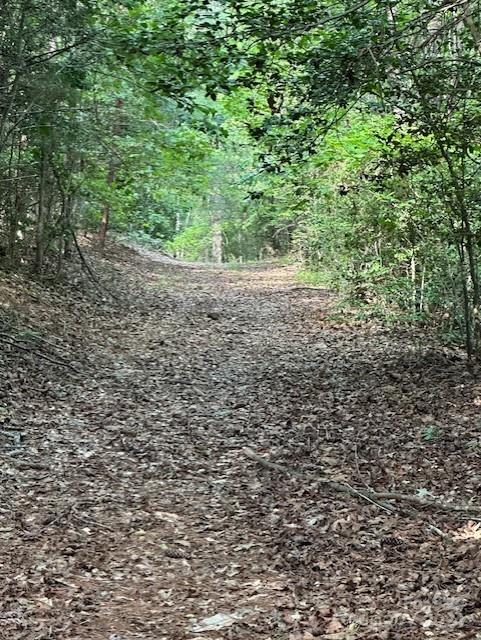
378 498
17 344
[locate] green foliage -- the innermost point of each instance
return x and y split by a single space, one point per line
315 278
407 231
344 134
193 243
431 433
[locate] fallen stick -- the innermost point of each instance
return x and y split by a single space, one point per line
6 339
376 497
294 289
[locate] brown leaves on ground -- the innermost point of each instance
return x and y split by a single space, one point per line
129 511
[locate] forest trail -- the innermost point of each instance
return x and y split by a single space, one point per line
129 510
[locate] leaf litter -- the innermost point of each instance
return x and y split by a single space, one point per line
130 511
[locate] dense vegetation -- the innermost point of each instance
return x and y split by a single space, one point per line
346 134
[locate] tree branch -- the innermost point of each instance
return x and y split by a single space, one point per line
375 497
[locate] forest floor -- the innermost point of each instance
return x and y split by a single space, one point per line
129 509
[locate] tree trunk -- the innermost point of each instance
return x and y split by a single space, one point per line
217 205
68 217
111 174
216 239
41 214
104 225
414 293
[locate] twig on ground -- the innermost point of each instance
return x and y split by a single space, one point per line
89 520
362 494
300 288
439 532
10 340
376 497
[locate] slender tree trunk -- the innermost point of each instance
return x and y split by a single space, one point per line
17 74
111 175
469 253
464 287
12 219
413 283
41 214
68 218
422 289
217 204
216 239
104 225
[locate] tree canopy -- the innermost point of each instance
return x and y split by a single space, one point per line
345 134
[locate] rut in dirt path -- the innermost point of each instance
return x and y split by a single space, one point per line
135 514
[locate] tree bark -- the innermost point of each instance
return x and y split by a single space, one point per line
104 225
217 204
41 214
111 175
216 240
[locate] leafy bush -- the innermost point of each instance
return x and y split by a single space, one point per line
193 243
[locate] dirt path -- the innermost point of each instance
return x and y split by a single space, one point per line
130 512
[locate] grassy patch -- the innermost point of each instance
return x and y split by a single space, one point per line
314 278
